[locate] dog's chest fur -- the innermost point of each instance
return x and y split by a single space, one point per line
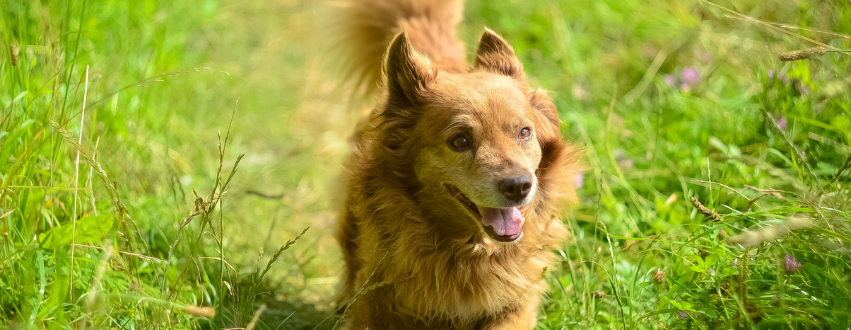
433 276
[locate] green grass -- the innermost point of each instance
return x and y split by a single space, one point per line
178 91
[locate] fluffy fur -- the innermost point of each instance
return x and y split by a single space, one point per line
416 258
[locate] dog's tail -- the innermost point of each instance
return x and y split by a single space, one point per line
366 27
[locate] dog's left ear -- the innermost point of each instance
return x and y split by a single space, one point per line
496 55
406 71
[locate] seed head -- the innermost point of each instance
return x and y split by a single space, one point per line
774 231
659 276
803 54
13 53
709 214
599 294
200 311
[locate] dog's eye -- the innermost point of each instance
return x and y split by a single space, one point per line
461 143
525 133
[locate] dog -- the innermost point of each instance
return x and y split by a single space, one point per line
455 180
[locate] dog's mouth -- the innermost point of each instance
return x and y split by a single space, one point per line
501 224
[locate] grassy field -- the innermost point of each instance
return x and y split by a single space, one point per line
160 162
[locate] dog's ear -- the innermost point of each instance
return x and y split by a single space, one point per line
406 71
496 55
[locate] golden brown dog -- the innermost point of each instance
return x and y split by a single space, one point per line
456 180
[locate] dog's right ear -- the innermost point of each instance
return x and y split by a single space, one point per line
497 56
406 71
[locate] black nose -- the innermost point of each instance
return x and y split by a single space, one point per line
515 189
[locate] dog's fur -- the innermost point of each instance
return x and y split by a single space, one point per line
416 257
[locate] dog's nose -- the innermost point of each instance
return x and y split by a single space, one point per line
515 189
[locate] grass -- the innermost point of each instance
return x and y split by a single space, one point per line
162 221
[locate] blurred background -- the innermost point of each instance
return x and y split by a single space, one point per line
156 226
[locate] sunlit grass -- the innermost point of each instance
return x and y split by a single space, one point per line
671 101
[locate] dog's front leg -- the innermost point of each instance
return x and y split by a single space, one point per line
373 310
517 319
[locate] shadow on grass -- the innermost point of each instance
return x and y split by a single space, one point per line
285 308
295 315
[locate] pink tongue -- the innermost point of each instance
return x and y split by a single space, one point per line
505 222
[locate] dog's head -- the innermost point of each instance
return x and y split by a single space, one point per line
475 142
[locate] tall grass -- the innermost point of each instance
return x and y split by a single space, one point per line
717 195
105 222
693 100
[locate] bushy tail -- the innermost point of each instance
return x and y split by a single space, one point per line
366 27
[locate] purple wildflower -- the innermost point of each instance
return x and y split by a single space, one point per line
792 265
690 76
782 123
770 74
670 80
579 180
682 315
